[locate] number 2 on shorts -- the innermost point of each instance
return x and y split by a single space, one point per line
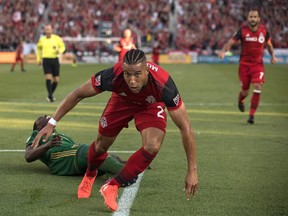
159 114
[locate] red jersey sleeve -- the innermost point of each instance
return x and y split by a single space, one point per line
102 81
237 35
267 38
171 96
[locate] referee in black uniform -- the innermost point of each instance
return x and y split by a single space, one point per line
48 49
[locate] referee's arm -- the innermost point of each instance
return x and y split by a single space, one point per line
39 51
61 45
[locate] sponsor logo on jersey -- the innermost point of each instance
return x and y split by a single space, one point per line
150 99
98 80
123 94
153 67
261 38
248 38
176 99
103 122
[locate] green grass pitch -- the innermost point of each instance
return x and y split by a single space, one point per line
243 169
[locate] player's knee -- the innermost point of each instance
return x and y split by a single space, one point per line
100 148
152 148
56 79
102 144
257 86
245 93
48 77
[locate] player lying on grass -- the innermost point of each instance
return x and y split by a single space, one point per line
63 156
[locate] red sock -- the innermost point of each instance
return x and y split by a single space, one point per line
94 161
241 97
136 164
254 102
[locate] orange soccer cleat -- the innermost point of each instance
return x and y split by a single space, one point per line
110 194
85 188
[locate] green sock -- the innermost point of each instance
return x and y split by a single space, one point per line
111 165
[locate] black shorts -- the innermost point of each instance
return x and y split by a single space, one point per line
51 66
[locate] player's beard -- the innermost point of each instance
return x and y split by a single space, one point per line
253 24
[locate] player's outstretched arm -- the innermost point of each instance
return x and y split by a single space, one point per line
117 48
180 118
226 48
68 103
271 51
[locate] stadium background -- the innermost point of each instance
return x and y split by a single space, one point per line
188 31
242 168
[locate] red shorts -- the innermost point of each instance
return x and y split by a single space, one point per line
251 73
118 114
18 58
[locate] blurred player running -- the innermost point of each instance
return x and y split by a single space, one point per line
253 36
19 57
126 43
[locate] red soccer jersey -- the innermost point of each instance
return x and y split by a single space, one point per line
19 51
160 86
125 46
253 43
155 54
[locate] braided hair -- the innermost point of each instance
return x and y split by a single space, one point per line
134 56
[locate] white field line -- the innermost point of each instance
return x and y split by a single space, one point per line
127 198
128 195
33 102
23 150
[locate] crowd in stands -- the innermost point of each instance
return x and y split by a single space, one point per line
204 26
198 25
19 20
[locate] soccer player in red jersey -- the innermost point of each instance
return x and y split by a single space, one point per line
126 43
156 53
253 36
140 90
19 57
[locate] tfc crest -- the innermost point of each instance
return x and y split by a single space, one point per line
150 99
261 38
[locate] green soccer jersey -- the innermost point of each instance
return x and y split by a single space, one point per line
71 159
67 159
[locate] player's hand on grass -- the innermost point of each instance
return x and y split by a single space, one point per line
191 184
46 132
